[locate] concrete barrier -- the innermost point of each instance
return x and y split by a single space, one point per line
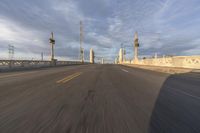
175 61
28 64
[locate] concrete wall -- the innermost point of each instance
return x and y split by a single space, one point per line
26 64
176 61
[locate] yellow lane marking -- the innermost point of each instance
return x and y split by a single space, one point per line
72 78
68 78
59 81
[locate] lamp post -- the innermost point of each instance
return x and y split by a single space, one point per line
136 45
52 42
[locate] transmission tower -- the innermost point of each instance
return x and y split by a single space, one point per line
81 43
11 51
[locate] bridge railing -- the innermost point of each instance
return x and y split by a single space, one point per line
176 61
15 64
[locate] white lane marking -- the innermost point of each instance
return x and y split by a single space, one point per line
185 93
124 70
190 95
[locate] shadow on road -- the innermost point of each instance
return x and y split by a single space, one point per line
177 108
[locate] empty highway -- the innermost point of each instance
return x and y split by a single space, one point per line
99 99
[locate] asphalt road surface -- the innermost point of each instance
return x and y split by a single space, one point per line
99 99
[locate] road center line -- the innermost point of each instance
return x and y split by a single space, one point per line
124 70
59 81
68 78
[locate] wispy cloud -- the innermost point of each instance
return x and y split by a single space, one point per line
164 26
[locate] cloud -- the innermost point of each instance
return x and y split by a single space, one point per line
164 26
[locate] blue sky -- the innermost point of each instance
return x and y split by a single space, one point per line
166 27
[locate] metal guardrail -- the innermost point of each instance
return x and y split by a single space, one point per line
20 64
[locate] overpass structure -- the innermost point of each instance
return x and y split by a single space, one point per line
95 98
165 61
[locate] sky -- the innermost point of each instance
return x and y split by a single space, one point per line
165 27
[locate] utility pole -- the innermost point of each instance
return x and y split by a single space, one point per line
136 45
81 43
